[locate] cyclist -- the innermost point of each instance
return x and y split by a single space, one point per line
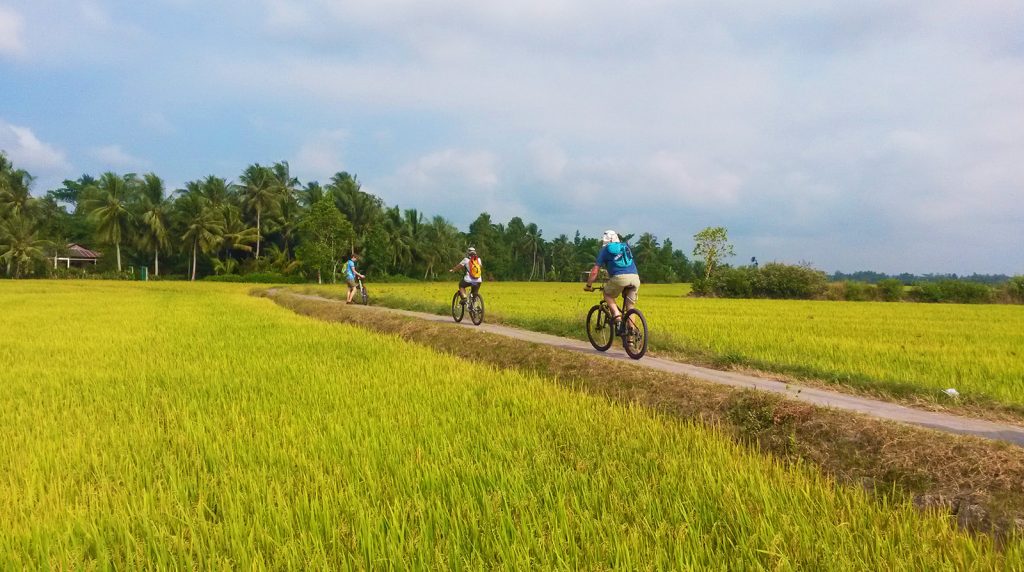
351 274
616 257
474 273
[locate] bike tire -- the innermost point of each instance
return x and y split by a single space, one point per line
634 341
600 330
365 297
458 309
476 309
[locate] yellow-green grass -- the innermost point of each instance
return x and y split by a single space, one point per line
897 349
194 426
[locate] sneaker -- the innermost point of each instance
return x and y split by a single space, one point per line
620 327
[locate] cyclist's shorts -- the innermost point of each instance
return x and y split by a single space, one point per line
351 283
625 284
475 286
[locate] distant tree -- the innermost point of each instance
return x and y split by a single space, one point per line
311 195
238 236
401 239
531 241
15 195
202 222
712 244
155 214
440 243
110 208
261 193
361 209
72 191
326 235
21 246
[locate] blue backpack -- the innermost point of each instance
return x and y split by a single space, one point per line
622 256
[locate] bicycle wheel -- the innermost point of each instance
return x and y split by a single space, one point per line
364 296
634 341
600 330
458 308
476 309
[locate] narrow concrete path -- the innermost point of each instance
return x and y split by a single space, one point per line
821 397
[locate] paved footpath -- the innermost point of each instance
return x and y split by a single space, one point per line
822 397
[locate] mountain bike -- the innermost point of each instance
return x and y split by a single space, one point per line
473 302
601 329
362 296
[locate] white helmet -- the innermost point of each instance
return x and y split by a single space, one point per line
609 236
470 251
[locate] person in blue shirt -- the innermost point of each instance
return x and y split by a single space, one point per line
350 276
617 258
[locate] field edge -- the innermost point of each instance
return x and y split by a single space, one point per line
975 481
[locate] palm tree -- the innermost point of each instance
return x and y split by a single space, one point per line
440 242
400 236
236 236
15 197
360 208
531 240
155 210
110 209
20 245
202 221
287 222
218 192
260 193
311 194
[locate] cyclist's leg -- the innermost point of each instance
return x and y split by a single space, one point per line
612 289
351 290
629 293
475 288
462 288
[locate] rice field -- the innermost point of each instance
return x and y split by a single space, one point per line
898 349
193 426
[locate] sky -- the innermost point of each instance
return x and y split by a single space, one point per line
869 135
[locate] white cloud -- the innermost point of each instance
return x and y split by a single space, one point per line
285 16
320 157
115 158
95 16
158 123
27 152
11 24
456 183
549 160
475 169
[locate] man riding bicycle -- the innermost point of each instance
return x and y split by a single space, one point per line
474 272
617 258
350 276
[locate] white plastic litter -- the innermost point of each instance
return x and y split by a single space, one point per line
951 392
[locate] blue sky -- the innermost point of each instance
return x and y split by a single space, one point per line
866 135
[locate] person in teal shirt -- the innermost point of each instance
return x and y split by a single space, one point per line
623 278
350 276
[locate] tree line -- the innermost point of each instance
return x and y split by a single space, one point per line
270 222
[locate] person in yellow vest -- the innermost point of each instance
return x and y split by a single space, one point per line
474 273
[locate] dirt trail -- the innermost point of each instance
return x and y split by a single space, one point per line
816 396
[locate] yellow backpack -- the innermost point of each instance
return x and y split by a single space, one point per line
475 268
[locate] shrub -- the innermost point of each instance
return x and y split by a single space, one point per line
1013 291
835 291
777 280
733 282
890 290
954 291
859 291
773 280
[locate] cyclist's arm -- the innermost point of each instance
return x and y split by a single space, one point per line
592 277
456 267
